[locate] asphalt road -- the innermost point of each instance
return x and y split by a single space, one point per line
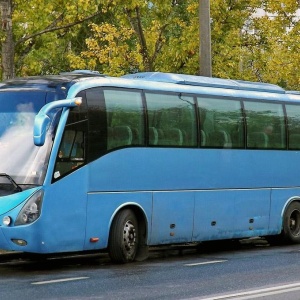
253 270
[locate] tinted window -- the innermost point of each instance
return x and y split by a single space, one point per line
171 120
293 118
125 120
221 123
265 125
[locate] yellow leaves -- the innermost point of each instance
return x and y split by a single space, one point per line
109 32
193 8
36 15
76 62
32 68
109 49
271 50
171 33
289 6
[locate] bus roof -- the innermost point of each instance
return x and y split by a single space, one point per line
65 79
206 81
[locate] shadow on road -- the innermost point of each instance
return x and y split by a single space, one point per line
33 262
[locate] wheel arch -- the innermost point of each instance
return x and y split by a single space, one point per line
288 203
143 223
291 221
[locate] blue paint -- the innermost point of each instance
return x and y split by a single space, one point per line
184 194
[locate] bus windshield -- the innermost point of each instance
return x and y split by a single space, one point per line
20 159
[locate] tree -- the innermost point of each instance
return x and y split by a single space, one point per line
228 21
145 36
7 49
271 45
25 23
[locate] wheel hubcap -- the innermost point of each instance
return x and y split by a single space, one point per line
129 236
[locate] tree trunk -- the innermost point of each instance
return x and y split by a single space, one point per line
136 23
7 45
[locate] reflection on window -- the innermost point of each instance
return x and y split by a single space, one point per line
71 146
29 162
172 120
124 118
221 123
293 118
265 125
71 152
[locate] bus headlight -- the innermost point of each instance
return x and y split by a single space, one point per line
6 220
31 210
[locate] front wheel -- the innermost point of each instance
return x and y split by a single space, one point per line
124 237
291 223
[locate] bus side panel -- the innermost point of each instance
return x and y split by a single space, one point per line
102 207
280 198
167 169
231 214
252 212
214 216
148 169
172 217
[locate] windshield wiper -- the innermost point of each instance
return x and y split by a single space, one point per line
17 188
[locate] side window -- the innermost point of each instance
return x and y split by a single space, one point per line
293 118
71 154
72 149
221 123
125 118
171 120
265 125
72 145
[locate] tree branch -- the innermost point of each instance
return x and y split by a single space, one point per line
159 44
136 24
54 28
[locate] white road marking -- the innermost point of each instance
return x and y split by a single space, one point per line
205 263
256 293
59 280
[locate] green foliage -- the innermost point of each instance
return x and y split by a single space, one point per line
159 35
40 46
270 54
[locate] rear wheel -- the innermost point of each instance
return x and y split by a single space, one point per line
291 223
124 237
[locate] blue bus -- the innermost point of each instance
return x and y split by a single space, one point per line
91 162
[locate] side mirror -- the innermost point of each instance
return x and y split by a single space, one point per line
41 124
42 119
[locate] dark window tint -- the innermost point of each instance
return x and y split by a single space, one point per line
221 123
72 149
71 153
171 120
293 118
124 118
265 125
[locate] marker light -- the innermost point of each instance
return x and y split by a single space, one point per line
78 101
6 220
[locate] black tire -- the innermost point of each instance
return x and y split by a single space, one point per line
291 223
124 237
